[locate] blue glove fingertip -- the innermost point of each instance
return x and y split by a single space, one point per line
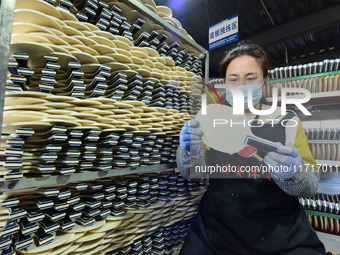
288 150
193 123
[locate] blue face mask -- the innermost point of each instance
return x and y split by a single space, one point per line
256 94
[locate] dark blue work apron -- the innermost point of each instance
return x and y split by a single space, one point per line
247 213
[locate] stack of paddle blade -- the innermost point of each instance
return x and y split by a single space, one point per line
323 143
100 216
64 151
323 212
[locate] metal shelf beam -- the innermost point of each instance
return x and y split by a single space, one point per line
325 141
324 214
304 77
26 183
332 163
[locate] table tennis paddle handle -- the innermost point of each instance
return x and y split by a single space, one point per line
261 144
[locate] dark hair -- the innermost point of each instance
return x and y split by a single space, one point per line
246 48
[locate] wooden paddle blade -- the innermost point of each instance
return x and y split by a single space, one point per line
222 130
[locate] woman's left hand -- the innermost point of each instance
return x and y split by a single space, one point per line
284 163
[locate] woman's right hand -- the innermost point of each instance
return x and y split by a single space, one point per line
190 137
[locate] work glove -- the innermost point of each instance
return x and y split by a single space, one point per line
284 163
190 137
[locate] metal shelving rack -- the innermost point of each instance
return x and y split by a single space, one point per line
327 162
320 98
6 19
154 17
330 241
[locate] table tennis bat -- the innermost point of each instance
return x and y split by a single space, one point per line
226 132
250 151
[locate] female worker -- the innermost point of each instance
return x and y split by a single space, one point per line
254 213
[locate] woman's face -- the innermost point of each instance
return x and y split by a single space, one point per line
244 70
